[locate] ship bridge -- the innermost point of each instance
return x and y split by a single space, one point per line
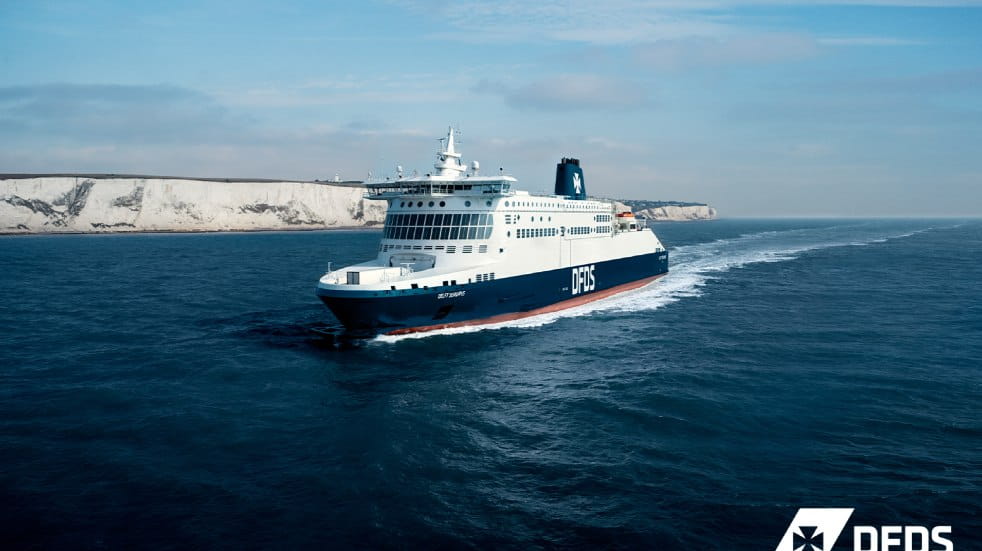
451 177
480 186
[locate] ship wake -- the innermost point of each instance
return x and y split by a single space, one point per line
693 266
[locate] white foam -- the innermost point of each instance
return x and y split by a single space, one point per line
692 266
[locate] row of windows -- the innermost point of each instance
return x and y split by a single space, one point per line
579 230
603 218
567 204
450 249
536 232
439 220
409 204
603 229
509 219
444 232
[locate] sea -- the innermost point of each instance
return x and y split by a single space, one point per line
189 391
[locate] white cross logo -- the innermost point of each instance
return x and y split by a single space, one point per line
577 186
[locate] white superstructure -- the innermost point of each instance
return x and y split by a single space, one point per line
455 227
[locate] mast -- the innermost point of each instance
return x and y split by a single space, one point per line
447 159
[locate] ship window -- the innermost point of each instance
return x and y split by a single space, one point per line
467 203
508 234
506 203
454 231
445 283
487 232
453 281
415 286
419 203
419 233
431 203
429 220
456 220
472 233
412 220
426 233
488 203
445 232
443 203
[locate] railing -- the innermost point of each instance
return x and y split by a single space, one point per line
338 277
459 187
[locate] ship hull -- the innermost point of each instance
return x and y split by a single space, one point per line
406 311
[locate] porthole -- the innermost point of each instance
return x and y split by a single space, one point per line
467 203
419 203
488 203
506 203
402 204
431 203
509 234
443 203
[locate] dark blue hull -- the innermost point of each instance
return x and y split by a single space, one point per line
489 301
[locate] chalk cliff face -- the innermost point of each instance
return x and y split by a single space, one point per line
70 204
668 212
677 213
114 204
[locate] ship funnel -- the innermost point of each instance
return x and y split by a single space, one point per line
569 179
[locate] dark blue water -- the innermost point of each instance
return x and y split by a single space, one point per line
170 391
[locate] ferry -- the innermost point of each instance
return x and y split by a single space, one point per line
460 248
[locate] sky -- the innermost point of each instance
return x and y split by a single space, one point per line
757 107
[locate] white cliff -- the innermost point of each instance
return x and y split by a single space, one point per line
667 212
679 213
67 204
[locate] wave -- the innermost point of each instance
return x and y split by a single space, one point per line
691 266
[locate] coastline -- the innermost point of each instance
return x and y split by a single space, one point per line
71 204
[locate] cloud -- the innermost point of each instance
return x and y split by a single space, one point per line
110 113
611 22
569 92
869 41
707 51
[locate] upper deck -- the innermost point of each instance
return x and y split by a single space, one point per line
441 186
